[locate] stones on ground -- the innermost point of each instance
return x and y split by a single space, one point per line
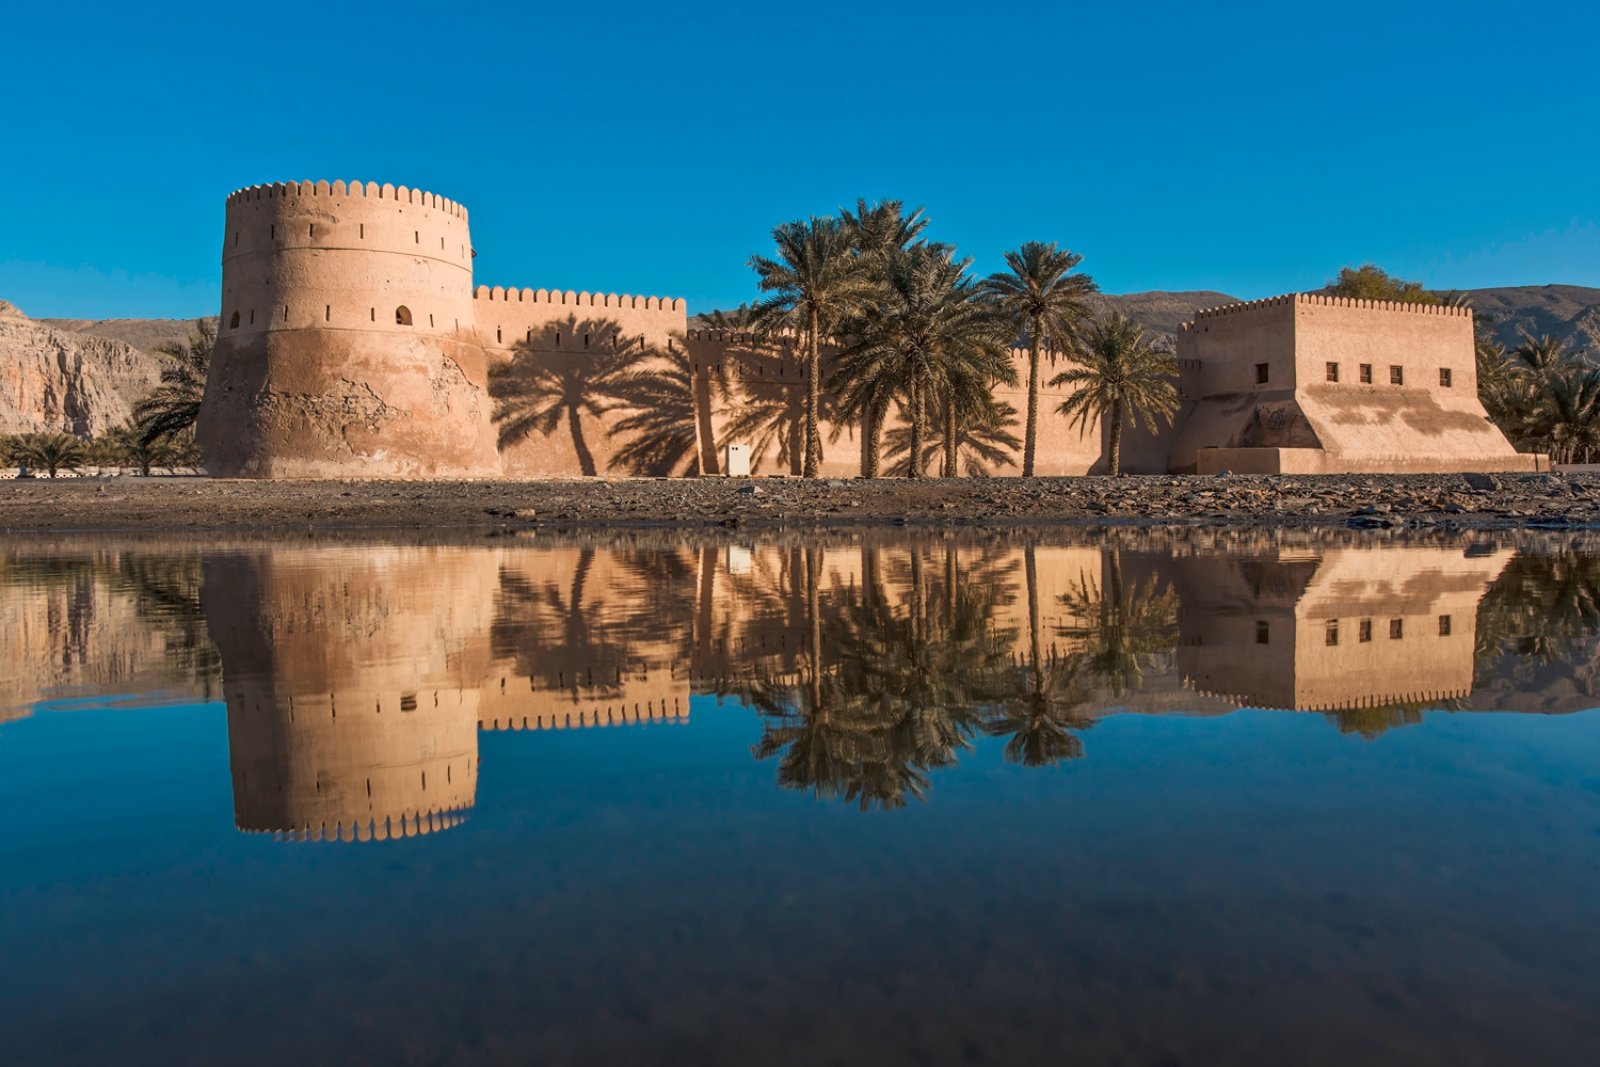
1481 482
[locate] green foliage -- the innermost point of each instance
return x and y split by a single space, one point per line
172 409
1369 282
48 452
812 287
1543 396
930 342
1119 376
1047 305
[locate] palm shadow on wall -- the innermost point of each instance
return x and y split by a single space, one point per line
583 376
761 383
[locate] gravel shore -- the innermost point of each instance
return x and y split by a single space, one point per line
1447 501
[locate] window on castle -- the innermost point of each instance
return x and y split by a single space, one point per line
1365 633
1261 374
1333 372
1397 629
363 233
233 323
1397 376
1366 374
402 316
252 316
1263 632
1444 626
327 312
1444 377
1332 637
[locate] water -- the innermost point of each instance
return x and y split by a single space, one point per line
818 799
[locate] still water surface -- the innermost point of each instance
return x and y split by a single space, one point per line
1188 799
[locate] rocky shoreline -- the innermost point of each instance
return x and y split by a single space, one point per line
1443 501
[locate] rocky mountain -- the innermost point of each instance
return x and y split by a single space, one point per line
60 380
145 334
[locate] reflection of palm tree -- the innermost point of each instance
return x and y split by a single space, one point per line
574 642
538 390
1042 716
1539 611
1121 629
901 697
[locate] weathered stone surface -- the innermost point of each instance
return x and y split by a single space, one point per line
54 380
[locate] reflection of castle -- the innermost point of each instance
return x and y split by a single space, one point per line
1338 628
357 678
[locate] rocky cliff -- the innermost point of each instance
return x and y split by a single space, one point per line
58 380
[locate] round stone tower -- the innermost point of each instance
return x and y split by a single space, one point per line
347 346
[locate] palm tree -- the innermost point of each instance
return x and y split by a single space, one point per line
1541 354
1119 375
539 390
815 282
50 452
931 341
983 439
125 446
1047 304
1567 419
173 407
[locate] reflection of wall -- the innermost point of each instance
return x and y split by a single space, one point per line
351 678
1334 629
70 624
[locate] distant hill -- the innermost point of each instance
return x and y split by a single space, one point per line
1570 312
140 333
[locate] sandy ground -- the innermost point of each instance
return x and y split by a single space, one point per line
170 504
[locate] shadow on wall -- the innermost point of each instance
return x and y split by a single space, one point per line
618 401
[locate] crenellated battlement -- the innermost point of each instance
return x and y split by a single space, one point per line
1325 300
381 828
348 190
568 298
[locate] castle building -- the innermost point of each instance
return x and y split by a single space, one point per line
353 343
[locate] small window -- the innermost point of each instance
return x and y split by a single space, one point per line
233 323
1261 374
1263 632
1365 629
1366 374
1397 629
1333 372
416 237
1444 626
363 232
327 312
373 314
252 316
311 229
402 316
1444 378
1397 376
497 336
1332 637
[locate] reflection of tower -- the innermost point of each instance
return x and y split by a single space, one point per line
351 681
1341 628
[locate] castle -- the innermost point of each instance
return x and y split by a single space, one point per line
354 344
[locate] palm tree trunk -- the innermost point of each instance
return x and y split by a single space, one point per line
1031 436
875 415
949 438
1116 438
914 461
813 398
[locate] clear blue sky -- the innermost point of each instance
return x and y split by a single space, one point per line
651 148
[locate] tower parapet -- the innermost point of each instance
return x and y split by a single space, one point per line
347 342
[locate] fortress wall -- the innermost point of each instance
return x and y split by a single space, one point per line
346 346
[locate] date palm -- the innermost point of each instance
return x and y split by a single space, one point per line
1047 304
812 285
930 341
173 407
1118 376
49 452
983 438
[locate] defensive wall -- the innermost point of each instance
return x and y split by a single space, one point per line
353 343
